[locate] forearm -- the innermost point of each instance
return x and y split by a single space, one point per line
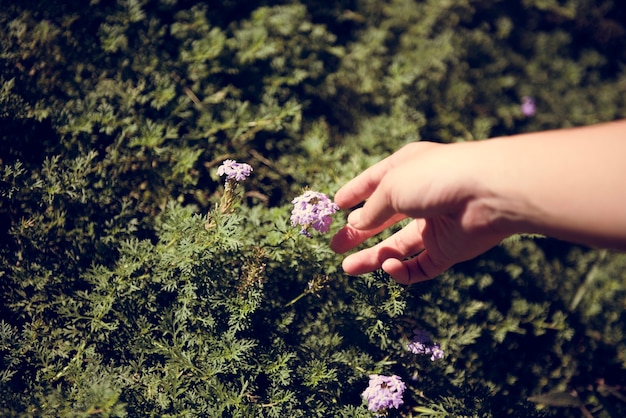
569 184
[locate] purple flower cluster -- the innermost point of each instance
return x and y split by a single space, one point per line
423 344
384 392
312 209
234 171
528 107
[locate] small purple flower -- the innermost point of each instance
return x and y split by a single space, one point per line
384 392
423 344
528 106
436 353
234 171
312 209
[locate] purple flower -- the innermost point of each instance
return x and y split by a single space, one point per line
234 171
312 209
436 353
528 106
384 392
423 344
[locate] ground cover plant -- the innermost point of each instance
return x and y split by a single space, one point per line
164 227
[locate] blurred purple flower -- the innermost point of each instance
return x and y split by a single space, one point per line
528 106
384 392
312 209
423 344
234 171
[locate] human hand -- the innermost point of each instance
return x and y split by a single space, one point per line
442 188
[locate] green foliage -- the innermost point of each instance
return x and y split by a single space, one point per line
127 291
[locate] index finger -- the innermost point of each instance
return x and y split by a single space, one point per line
362 186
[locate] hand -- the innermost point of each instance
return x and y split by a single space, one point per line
437 186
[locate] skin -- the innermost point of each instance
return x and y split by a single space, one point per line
464 198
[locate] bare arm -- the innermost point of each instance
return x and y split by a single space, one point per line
569 184
465 198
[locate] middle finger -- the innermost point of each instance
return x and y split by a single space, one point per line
404 243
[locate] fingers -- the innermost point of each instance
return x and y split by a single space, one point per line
376 209
397 192
404 243
349 237
362 186
417 269
389 192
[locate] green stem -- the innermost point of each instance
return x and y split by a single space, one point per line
589 279
297 298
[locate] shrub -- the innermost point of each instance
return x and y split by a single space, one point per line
129 287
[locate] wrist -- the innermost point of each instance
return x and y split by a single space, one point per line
502 183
